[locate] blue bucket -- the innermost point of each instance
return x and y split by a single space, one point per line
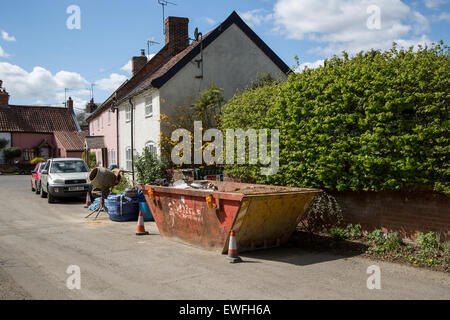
143 206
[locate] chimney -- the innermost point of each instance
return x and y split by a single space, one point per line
70 104
92 106
4 96
177 34
137 63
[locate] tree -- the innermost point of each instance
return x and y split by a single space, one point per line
206 108
3 143
12 153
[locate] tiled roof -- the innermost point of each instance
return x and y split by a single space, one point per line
158 76
147 82
36 119
95 142
71 141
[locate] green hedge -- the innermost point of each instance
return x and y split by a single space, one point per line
377 121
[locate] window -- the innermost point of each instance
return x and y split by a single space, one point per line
68 166
47 165
98 124
151 146
112 157
28 154
101 118
149 106
129 164
128 114
109 117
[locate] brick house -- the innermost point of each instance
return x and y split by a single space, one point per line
231 56
40 131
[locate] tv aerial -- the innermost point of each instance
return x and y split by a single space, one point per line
150 43
164 4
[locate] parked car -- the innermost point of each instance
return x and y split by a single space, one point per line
35 176
64 177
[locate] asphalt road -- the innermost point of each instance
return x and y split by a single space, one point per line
39 241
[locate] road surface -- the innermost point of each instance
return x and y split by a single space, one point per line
39 241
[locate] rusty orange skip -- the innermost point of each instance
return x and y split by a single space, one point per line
261 216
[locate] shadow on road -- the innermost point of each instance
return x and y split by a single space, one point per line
69 201
302 250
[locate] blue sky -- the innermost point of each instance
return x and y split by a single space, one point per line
40 56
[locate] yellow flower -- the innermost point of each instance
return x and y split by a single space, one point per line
431 260
415 262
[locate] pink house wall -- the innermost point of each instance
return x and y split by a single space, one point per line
105 124
30 140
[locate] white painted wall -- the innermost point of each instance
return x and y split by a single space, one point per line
146 128
232 62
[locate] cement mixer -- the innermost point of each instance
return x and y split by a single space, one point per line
104 179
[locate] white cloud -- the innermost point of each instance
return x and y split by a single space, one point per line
310 65
7 37
444 16
342 25
40 85
3 54
256 17
128 66
112 83
209 21
432 4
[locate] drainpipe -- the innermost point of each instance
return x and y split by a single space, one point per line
132 136
117 137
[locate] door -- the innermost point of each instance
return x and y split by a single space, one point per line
44 176
45 153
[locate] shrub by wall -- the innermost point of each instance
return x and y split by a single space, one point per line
377 121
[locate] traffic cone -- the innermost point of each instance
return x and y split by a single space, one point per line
140 226
233 256
88 200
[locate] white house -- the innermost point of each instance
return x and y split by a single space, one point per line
231 56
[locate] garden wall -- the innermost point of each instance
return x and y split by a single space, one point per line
405 212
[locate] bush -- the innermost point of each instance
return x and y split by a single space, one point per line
37 160
149 168
354 231
338 234
377 121
389 243
3 143
92 159
428 244
323 214
25 168
376 236
12 153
